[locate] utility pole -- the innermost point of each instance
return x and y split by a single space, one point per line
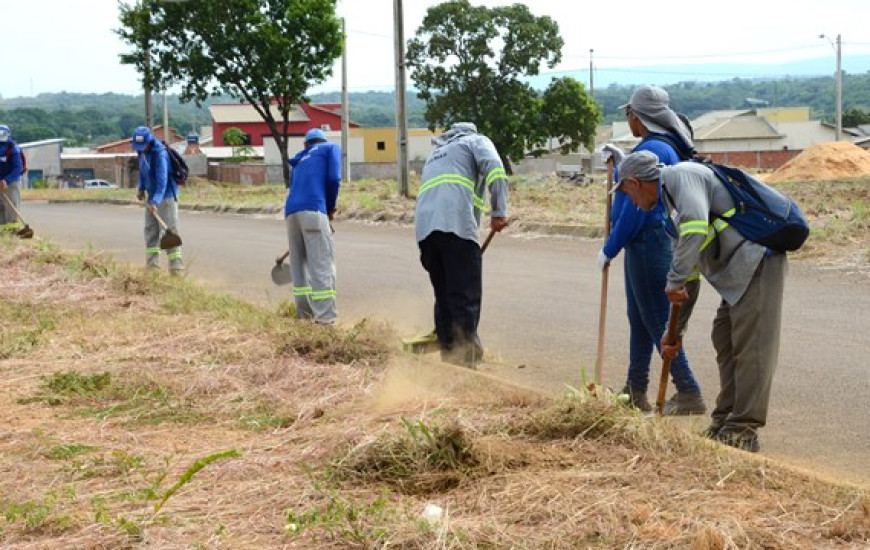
345 108
165 118
401 114
839 107
591 87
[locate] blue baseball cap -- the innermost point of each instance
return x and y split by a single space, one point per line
5 133
141 138
314 133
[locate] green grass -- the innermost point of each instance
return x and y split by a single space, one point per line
65 452
25 327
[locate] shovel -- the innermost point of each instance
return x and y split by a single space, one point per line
602 311
170 238
25 232
281 271
670 338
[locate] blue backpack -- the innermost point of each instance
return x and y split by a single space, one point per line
762 214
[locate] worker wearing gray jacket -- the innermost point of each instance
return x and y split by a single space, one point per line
749 277
455 178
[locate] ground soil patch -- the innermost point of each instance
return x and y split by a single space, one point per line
139 413
824 162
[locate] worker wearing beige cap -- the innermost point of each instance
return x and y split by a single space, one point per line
748 276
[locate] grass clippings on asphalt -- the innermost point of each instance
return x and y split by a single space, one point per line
141 410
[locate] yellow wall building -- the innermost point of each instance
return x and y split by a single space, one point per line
379 144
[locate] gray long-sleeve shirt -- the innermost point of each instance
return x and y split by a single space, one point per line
454 182
692 193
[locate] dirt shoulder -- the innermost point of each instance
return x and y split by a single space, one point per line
143 411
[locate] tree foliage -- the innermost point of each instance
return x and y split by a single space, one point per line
570 114
265 52
468 63
855 117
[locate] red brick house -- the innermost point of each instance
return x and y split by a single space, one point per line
123 146
243 116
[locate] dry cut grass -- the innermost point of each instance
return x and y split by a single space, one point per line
141 411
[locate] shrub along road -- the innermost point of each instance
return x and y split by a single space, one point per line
540 314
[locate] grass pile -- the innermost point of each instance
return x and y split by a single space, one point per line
141 410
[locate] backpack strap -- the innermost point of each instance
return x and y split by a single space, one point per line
679 149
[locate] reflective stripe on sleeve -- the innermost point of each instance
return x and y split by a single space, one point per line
695 226
494 174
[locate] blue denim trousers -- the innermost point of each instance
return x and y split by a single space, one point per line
647 260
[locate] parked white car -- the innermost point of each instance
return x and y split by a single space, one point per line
98 184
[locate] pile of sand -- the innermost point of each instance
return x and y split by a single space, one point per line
825 161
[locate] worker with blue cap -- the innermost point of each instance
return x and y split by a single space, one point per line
157 186
308 211
11 170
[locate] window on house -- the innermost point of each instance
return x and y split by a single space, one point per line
382 146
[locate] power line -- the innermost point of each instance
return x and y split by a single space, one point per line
697 56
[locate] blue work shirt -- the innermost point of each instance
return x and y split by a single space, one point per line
626 219
154 174
315 179
10 168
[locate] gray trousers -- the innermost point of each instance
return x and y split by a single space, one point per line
13 193
312 266
746 338
168 211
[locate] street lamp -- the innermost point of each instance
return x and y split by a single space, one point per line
839 103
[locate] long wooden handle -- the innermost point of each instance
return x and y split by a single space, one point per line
487 241
670 338
159 220
17 213
602 312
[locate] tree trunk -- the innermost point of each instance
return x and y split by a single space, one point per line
281 142
508 167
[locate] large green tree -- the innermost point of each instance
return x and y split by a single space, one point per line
570 114
266 52
468 63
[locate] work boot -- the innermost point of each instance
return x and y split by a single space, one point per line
743 439
637 399
462 356
712 431
684 403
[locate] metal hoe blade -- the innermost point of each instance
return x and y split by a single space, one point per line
25 232
169 240
281 271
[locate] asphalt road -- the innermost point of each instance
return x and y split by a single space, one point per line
540 314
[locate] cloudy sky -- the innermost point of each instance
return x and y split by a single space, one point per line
67 45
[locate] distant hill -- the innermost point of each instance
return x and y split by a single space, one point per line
90 119
670 75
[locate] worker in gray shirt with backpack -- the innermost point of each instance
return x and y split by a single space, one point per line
711 235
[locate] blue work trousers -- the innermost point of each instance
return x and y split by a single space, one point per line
647 259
